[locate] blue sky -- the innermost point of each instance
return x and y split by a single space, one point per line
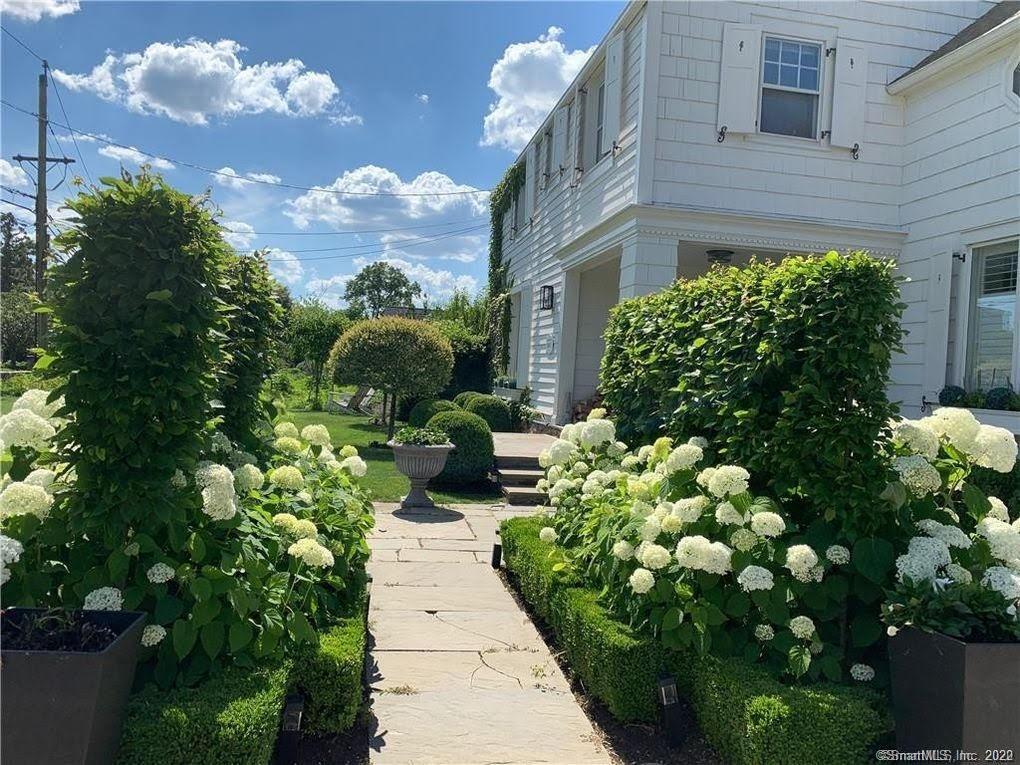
406 98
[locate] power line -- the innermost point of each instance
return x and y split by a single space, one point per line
248 179
356 231
60 102
378 251
409 241
10 34
16 204
19 193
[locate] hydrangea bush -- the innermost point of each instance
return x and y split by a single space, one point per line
684 548
263 561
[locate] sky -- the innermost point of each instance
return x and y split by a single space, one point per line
421 100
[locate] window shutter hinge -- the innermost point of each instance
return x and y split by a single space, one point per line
960 256
722 134
855 152
826 134
829 52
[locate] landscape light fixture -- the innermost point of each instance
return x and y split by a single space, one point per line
672 717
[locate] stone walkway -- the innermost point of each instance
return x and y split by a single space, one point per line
459 674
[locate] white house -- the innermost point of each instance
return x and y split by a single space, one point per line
712 131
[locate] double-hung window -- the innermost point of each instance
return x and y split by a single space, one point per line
790 87
600 121
992 326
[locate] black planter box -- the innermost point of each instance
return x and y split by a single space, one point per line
66 708
948 694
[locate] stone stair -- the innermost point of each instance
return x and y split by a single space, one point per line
517 466
519 484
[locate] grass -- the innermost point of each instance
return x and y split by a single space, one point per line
383 479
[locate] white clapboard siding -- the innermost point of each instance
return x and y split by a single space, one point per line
849 95
738 83
614 92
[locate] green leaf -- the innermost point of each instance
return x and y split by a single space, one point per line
212 638
799 660
44 362
239 636
196 547
167 609
201 588
300 628
184 635
873 558
865 629
160 295
672 619
738 604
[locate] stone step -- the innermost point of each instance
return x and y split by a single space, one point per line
523 495
518 477
516 462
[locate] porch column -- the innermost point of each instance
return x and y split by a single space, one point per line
647 264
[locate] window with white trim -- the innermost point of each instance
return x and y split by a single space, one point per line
600 121
992 324
790 87
591 120
518 219
547 180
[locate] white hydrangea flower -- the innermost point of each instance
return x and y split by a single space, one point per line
917 474
998 509
598 413
925 555
219 501
764 632
802 627
1003 581
41 477
917 437
159 573
630 462
645 452
623 550
744 539
690 509
891 631
642 580
10 550
316 435
862 673
768 524
34 400
755 578
152 635
994 448
615 450
952 536
20 498
23 427
178 480
286 430
348 451
547 535
561 452
248 478
1003 538
959 574
238 458
580 468
837 555
801 561
698 553
698 441
655 556
220 443
671 523
727 515
571 432
724 481
287 477
651 529
959 426
104 599
684 457
302 528
311 553
289 445
131 549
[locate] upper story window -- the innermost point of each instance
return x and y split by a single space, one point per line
790 87
591 121
600 121
518 224
992 357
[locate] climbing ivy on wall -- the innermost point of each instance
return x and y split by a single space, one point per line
500 202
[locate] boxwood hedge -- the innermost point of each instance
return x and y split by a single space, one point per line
471 457
423 411
494 410
748 716
783 367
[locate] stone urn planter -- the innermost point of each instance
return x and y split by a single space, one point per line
954 695
65 707
420 463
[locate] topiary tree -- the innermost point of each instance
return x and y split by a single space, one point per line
462 398
471 437
254 329
425 410
313 331
399 356
494 410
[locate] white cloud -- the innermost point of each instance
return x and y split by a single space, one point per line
194 80
131 156
12 175
345 116
422 97
284 265
228 177
34 10
323 204
238 234
528 80
329 290
82 138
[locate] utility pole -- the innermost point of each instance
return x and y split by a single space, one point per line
42 235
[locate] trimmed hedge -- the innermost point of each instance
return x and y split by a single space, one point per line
783 367
748 716
230 719
494 410
473 449
330 676
472 358
462 398
425 410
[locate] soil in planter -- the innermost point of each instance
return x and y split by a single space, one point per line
54 630
627 743
350 748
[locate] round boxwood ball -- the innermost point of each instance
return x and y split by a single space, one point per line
425 410
996 398
951 395
471 457
492 409
464 396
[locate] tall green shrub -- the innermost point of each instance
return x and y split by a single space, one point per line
253 332
783 367
472 359
138 322
313 331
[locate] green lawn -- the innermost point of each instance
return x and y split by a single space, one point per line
383 480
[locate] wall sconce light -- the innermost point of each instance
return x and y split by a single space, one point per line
547 297
719 256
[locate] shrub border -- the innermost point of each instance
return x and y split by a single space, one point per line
747 715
